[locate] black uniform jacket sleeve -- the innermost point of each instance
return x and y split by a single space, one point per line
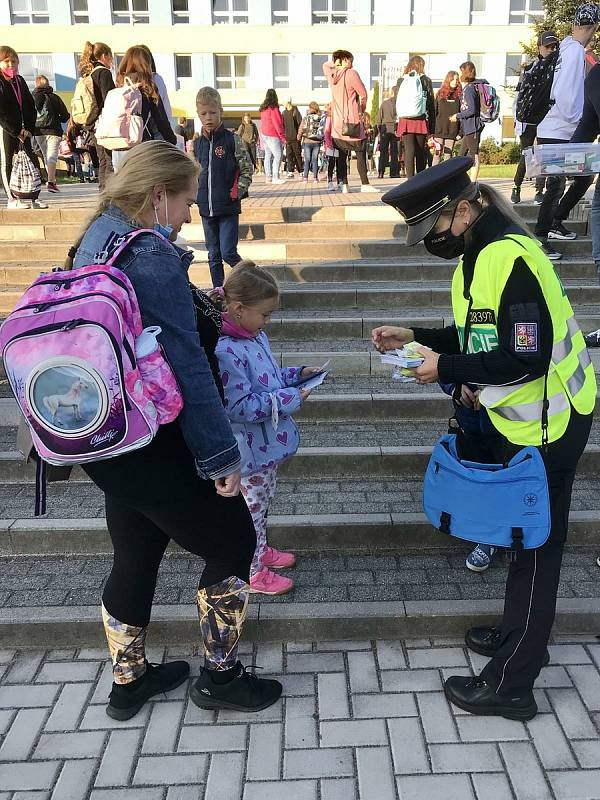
525 337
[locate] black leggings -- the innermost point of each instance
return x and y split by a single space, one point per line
345 148
154 495
414 153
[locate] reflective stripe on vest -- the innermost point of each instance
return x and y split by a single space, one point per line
532 412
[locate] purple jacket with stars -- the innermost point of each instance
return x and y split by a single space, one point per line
253 382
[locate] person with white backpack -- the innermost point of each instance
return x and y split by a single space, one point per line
133 111
87 349
415 109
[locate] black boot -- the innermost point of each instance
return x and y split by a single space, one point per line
245 692
125 700
486 642
475 696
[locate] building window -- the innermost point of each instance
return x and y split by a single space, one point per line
329 12
319 81
117 58
525 11
79 12
180 11
27 11
32 65
376 61
183 66
281 70
230 12
477 59
430 12
279 12
130 12
478 6
231 71
514 63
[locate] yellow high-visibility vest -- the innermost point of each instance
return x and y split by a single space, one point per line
516 410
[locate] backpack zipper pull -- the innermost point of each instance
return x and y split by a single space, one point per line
70 325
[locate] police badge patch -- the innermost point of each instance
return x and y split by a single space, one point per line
526 337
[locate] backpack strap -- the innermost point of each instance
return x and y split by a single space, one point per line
126 241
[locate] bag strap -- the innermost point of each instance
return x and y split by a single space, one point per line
123 243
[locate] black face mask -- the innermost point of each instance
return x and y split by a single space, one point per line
445 244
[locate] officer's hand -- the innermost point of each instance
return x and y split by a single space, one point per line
389 337
468 397
229 486
428 371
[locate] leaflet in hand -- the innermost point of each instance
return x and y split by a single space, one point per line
315 380
403 360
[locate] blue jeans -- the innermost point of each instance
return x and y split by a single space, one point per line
311 158
595 228
273 153
221 238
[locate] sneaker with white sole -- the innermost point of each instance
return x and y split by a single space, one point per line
278 180
277 559
38 204
558 231
480 558
52 187
367 188
267 582
344 188
539 198
592 339
549 251
331 186
14 204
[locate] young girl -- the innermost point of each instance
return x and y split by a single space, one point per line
260 399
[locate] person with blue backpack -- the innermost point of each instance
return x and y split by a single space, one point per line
469 116
178 481
515 337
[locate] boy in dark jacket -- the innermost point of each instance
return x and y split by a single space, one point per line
225 176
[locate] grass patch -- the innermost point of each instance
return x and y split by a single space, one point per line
497 170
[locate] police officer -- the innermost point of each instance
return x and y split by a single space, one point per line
521 334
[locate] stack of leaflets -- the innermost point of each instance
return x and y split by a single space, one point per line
404 360
315 380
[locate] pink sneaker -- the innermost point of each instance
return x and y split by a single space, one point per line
267 582
277 559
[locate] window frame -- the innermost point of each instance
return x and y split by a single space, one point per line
128 17
513 79
183 55
277 81
279 17
180 17
228 17
529 16
327 17
234 79
29 16
80 17
318 81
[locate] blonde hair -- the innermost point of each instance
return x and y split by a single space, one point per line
249 284
209 97
314 107
149 164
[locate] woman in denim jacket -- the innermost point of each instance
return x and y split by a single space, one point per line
185 484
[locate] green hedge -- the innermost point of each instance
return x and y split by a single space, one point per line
491 153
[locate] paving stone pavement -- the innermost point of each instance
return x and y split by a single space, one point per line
358 720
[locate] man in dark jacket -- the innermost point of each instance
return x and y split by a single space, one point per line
292 120
51 112
225 176
388 141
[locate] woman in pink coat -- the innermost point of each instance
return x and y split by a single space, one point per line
349 99
272 135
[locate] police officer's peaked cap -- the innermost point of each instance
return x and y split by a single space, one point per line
422 199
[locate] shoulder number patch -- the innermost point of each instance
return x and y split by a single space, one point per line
526 337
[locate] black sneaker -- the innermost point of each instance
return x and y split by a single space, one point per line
559 231
486 642
593 339
549 251
125 701
475 696
515 196
245 692
539 198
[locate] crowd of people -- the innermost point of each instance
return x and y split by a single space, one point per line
207 478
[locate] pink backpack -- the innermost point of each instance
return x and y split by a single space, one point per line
120 125
69 354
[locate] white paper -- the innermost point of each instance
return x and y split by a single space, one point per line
316 380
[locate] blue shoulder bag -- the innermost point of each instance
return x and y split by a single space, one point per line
502 505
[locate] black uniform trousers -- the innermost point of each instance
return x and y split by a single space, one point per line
533 576
388 154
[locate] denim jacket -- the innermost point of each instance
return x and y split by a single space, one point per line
159 274
253 382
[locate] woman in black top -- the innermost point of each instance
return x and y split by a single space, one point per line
447 104
17 122
96 60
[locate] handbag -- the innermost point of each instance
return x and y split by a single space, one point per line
350 129
502 505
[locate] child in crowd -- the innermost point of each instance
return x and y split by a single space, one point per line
225 176
331 153
260 399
